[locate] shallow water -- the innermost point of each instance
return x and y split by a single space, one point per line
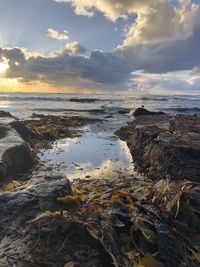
98 153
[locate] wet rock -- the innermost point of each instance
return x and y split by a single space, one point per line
39 191
143 111
106 227
108 117
35 115
115 110
3 263
33 199
164 146
5 114
6 117
84 100
24 131
52 127
124 111
15 156
185 124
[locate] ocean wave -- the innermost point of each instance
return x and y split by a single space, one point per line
184 110
87 100
153 98
68 110
102 110
31 98
54 99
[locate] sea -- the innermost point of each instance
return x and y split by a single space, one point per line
24 104
98 152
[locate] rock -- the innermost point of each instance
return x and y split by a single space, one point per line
84 100
143 111
165 146
50 127
30 201
115 110
35 115
15 156
3 263
185 124
124 111
24 131
39 190
5 114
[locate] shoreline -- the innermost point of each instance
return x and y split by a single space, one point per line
109 217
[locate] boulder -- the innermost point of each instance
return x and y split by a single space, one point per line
165 146
15 156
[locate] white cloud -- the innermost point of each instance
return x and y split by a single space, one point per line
156 21
178 82
56 35
160 21
75 48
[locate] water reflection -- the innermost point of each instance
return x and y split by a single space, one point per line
98 153
4 104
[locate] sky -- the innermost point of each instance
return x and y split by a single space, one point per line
100 46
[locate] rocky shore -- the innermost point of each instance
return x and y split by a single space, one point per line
46 221
164 146
21 140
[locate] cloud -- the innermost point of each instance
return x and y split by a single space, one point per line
160 21
75 48
56 35
99 70
111 71
156 21
164 57
164 38
179 82
112 9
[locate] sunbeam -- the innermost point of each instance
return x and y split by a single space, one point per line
4 65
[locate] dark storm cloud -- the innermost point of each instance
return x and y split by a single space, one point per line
66 69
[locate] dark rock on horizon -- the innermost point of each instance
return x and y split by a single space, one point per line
124 111
142 111
5 114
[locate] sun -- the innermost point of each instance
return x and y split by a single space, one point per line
3 65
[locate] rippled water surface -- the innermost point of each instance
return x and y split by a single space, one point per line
98 152
24 104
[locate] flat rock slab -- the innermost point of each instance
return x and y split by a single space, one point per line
15 156
165 146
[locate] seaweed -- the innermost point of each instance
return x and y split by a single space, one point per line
124 222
